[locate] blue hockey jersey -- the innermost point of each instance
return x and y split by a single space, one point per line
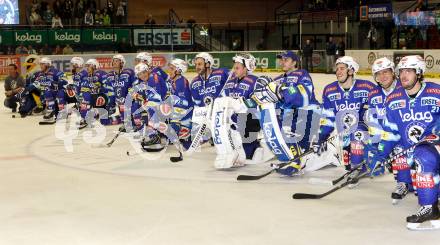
211 87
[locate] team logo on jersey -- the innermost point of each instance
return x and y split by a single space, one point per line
359 135
377 100
414 132
349 120
361 94
348 106
430 101
417 116
398 104
334 96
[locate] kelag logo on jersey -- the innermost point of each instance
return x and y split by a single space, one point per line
418 116
348 106
398 104
334 96
271 139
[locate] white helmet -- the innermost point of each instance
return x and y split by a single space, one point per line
46 60
141 67
414 62
77 61
206 57
119 57
349 62
93 62
145 56
180 65
247 60
382 64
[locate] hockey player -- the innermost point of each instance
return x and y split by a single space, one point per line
121 80
209 81
148 92
50 81
147 59
71 92
96 92
383 73
293 92
344 104
411 110
182 104
232 123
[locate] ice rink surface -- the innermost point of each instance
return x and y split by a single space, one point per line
102 196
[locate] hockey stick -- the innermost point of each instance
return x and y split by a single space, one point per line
280 165
349 181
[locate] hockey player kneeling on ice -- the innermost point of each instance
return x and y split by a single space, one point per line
345 102
96 92
235 127
70 92
121 80
147 93
289 133
427 160
383 73
205 87
50 82
180 102
411 111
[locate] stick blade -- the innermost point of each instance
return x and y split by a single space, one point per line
305 196
248 177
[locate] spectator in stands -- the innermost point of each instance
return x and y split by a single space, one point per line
307 53
21 49
68 12
58 50
46 50
340 50
91 4
106 19
48 15
35 18
31 50
99 18
261 44
191 21
110 8
88 18
150 20
372 37
56 22
58 7
67 49
120 14
78 11
14 83
330 51
411 38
